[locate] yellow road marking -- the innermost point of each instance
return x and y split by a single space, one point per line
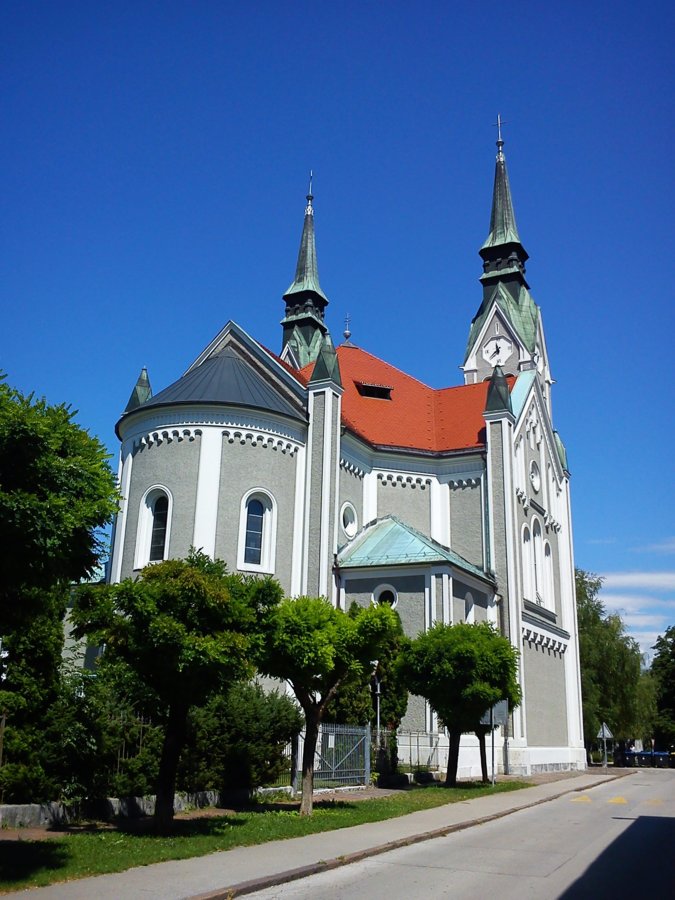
618 800
584 798
654 802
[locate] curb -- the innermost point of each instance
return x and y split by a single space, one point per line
326 865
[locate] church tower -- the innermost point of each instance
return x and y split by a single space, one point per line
507 329
303 324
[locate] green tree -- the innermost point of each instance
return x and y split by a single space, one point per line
186 628
56 492
237 740
663 671
315 648
610 665
647 711
462 670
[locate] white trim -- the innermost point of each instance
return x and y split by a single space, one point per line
349 534
335 432
298 523
307 503
145 522
208 490
269 535
439 501
446 582
369 497
126 463
325 492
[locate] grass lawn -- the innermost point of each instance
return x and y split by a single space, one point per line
26 863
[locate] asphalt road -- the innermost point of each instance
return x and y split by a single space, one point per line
611 841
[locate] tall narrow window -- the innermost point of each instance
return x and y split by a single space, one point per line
154 526
255 514
257 532
160 517
538 562
528 566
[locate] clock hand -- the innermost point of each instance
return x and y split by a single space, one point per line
496 351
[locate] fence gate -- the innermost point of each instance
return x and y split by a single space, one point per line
342 756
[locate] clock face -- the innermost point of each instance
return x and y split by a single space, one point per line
497 350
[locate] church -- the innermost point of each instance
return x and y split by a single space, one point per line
342 476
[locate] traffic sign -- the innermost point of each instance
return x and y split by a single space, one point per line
605 734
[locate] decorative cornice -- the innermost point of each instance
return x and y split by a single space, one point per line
547 641
459 483
352 468
396 479
258 439
155 438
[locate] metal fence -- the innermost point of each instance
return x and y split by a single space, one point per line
342 757
418 750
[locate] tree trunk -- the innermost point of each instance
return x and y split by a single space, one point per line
453 758
174 738
312 720
480 734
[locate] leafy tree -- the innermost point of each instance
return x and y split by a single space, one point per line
355 701
237 740
316 647
185 628
610 665
56 491
647 711
663 670
462 670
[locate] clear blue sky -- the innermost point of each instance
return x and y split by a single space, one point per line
154 166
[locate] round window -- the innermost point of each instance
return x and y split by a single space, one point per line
350 523
385 593
535 477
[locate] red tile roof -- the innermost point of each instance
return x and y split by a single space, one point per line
416 417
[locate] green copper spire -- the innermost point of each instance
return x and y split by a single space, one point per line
307 271
503 228
303 323
141 393
498 395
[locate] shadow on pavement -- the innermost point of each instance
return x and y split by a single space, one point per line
642 859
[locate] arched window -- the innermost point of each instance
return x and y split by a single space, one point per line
528 566
160 519
154 526
549 596
538 562
257 532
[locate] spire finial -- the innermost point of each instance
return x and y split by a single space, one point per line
500 141
347 333
309 211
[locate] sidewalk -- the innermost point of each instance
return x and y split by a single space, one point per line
240 871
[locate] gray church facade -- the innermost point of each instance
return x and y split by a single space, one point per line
342 476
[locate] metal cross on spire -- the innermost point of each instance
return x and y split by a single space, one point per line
347 333
500 141
310 196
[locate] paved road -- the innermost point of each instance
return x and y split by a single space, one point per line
614 840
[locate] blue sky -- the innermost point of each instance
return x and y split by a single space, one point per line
154 166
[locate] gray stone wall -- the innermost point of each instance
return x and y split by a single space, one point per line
480 601
173 464
466 522
408 502
351 490
242 468
498 520
545 698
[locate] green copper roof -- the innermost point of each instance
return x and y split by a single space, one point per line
522 314
503 228
307 270
141 393
498 396
327 367
390 542
562 452
521 391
